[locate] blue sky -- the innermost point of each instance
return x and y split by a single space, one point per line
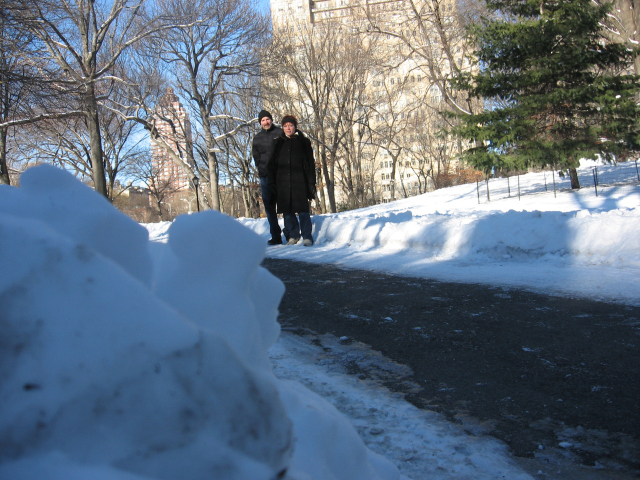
264 5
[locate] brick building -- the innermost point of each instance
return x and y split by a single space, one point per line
172 122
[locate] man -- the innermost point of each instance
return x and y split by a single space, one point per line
262 148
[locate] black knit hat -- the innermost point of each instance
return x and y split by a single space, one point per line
264 113
289 119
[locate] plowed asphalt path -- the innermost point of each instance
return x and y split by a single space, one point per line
555 378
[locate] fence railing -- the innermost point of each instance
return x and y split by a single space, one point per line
621 174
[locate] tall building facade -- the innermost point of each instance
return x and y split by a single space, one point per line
317 11
406 91
172 122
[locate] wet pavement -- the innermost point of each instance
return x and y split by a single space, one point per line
555 378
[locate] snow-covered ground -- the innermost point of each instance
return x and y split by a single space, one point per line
423 445
124 359
572 243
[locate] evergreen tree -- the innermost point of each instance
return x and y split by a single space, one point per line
555 90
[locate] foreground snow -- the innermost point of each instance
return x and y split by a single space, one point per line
127 360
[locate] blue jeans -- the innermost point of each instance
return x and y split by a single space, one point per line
270 209
295 229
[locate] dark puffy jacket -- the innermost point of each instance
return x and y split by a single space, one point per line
292 174
262 147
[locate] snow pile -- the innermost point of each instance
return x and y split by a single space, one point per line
584 237
125 360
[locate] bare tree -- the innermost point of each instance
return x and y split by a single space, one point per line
123 145
430 49
218 40
236 158
66 142
12 85
85 40
27 94
396 105
323 78
146 173
149 107
431 34
357 169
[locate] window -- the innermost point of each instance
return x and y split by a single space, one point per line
436 95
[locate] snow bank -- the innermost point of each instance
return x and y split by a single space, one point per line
586 237
122 360
571 243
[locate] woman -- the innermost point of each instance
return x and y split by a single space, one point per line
292 180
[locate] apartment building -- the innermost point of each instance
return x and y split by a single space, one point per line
172 122
406 91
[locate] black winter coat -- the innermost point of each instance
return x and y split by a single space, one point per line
262 147
292 173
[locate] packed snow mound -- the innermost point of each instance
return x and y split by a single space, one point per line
122 360
57 199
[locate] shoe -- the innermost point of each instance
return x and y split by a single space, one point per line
293 241
275 241
307 242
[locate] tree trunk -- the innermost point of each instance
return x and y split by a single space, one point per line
323 198
575 182
213 181
4 171
95 140
248 207
331 189
394 161
327 180
159 206
233 209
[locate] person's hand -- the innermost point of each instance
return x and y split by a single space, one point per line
311 190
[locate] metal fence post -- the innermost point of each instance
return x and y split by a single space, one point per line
545 182
553 174
478 190
595 179
488 194
637 174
